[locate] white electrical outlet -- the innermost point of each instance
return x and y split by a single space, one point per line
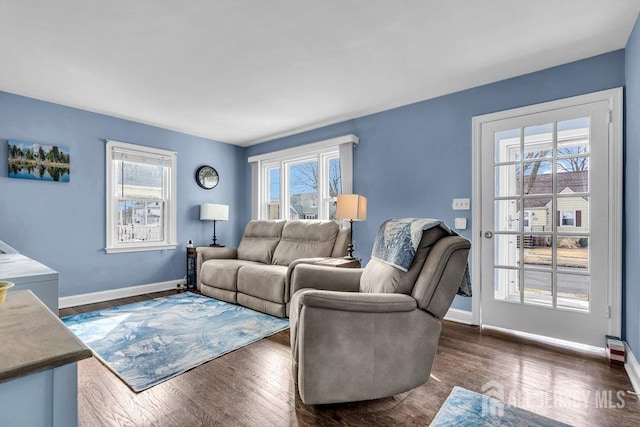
461 204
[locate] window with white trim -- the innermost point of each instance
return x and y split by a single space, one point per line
141 198
567 218
303 182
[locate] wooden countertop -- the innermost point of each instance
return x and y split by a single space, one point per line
33 339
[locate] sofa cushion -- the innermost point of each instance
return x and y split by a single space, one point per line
264 281
259 240
222 273
305 239
380 277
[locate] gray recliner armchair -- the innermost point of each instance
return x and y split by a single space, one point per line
360 334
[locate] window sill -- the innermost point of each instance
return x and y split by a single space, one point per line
159 247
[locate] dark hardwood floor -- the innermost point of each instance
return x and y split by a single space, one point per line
253 386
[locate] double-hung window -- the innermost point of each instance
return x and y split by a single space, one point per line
141 198
302 182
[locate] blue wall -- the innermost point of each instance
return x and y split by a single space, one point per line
632 187
63 224
412 160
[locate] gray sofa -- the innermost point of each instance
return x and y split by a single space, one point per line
257 273
360 334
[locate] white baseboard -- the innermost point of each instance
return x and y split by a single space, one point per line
460 316
131 291
633 369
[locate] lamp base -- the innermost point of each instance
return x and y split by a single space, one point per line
215 239
350 246
349 257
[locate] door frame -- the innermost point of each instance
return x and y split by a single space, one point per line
614 98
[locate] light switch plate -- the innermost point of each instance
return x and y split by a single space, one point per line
461 204
460 224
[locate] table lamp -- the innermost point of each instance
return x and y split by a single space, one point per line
354 208
214 212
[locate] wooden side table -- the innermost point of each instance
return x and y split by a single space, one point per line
340 262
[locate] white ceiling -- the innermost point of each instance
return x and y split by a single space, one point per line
246 71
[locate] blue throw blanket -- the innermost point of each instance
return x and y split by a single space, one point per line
398 239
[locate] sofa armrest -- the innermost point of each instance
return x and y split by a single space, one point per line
211 252
205 253
314 260
355 301
324 277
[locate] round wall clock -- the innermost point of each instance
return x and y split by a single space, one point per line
207 177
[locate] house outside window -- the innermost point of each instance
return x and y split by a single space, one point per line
303 182
141 198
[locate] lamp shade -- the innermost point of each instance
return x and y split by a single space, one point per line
351 206
212 211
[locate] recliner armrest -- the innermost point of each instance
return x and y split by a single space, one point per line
356 302
323 277
348 346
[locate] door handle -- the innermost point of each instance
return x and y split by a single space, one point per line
488 234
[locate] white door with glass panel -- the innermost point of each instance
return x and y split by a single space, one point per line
545 215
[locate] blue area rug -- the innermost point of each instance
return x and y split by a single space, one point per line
148 342
467 408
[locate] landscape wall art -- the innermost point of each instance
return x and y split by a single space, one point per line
39 161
